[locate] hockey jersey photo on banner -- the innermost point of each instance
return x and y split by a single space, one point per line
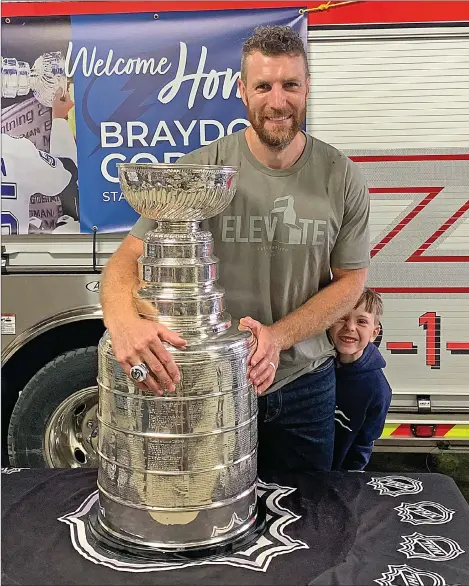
39 190
39 167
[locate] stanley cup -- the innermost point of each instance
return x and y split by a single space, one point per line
179 471
44 78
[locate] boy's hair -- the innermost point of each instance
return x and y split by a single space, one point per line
273 41
372 302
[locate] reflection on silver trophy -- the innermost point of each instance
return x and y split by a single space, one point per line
179 471
44 78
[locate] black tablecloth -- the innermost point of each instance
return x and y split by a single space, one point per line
323 529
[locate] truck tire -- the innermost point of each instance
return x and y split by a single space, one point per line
53 423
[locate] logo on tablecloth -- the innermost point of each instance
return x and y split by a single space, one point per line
424 513
396 485
430 547
407 576
256 556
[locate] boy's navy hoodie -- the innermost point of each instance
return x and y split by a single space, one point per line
363 396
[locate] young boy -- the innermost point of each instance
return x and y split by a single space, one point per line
363 393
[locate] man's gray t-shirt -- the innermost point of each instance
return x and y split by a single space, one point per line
283 232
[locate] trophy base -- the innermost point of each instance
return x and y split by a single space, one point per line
132 552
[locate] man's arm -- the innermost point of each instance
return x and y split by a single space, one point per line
321 311
312 318
136 340
119 280
349 264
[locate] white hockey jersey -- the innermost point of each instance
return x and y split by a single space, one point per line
27 171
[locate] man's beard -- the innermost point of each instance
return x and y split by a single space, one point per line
281 137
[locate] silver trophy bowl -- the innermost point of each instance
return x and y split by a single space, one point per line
178 472
177 193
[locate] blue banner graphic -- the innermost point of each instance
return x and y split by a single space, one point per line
148 89
82 93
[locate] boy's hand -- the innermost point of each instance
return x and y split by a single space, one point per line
264 361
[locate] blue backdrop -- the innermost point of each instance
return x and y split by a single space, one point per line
152 89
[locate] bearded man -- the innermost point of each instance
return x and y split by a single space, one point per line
294 253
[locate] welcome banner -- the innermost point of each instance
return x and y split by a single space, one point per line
88 92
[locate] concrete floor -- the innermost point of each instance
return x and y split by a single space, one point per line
454 465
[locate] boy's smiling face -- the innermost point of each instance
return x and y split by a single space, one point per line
353 333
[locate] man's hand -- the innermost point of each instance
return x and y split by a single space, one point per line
264 361
137 341
61 105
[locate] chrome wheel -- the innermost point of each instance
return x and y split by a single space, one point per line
71 434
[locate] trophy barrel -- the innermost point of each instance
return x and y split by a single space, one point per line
179 471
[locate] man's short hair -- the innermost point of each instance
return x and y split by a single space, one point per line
273 41
372 302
